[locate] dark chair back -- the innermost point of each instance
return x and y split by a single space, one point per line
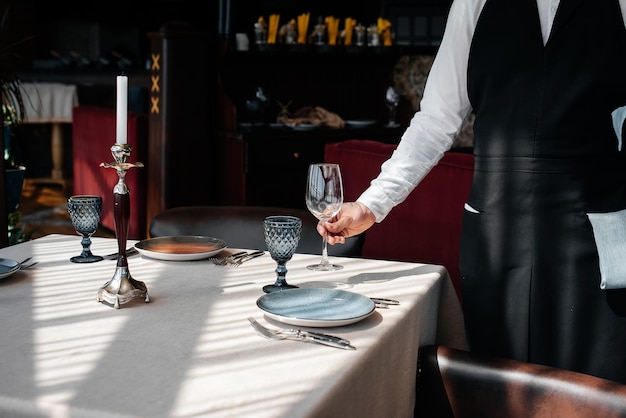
242 227
456 383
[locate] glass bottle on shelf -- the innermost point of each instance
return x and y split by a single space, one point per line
260 31
359 35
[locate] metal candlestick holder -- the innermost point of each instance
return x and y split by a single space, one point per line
122 288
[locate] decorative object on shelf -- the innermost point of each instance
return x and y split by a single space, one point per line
359 35
348 30
303 27
409 79
260 31
324 33
242 42
373 37
312 116
392 99
384 31
122 288
332 25
318 36
287 33
272 29
256 106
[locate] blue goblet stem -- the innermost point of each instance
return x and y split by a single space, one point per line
86 243
282 234
281 273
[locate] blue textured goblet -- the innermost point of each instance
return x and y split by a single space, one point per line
85 212
282 234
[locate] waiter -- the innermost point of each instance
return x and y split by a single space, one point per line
543 78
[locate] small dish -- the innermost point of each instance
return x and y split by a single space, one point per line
180 248
8 267
316 307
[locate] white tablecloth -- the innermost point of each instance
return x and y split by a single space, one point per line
190 352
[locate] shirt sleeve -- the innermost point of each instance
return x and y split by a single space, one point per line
443 109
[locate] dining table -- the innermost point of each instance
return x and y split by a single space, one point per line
190 351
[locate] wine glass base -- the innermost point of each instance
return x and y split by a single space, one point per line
324 267
86 259
275 288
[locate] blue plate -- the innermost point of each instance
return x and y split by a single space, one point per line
8 267
316 307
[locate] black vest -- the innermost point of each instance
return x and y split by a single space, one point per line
556 100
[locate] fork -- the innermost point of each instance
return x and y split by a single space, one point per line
25 260
23 267
299 335
222 261
240 260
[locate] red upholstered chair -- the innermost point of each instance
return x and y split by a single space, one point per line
93 134
456 384
426 227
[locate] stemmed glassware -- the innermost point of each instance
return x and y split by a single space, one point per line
282 234
392 99
324 198
85 212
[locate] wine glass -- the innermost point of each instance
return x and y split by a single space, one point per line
282 234
392 99
324 198
85 212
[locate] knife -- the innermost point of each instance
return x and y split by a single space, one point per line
385 301
320 340
129 252
298 335
321 336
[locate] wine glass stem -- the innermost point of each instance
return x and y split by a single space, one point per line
324 249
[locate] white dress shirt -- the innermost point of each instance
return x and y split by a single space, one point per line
444 107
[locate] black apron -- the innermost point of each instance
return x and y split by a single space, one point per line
546 155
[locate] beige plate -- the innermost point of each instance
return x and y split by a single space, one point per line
180 248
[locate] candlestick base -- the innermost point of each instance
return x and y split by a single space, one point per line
122 288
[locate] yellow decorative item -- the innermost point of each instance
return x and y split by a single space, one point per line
384 29
332 25
303 27
273 29
350 23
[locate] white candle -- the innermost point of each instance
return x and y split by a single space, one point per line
122 110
